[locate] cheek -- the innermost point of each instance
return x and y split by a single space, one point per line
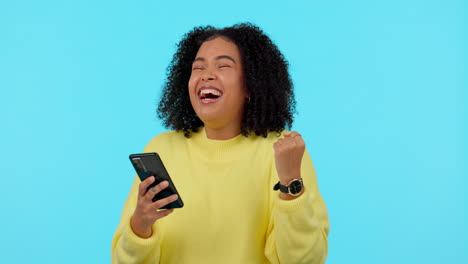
192 85
233 80
237 97
191 82
237 84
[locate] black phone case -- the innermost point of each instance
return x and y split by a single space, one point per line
150 164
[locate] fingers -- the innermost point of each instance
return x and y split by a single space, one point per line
146 212
163 213
163 202
144 184
291 139
156 189
293 134
297 138
148 196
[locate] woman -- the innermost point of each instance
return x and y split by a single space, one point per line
248 185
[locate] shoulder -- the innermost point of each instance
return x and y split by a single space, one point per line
274 136
165 139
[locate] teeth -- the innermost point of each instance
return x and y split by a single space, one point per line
210 91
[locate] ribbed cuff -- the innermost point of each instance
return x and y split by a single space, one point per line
289 206
134 243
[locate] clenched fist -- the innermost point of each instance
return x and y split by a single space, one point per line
288 156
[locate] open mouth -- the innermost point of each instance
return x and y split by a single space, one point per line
209 95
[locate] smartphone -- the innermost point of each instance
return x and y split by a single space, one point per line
150 164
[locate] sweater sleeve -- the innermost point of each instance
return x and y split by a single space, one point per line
127 247
298 229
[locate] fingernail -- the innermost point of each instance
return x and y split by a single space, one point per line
176 197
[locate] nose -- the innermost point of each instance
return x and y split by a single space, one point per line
208 76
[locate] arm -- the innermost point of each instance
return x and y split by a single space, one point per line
127 247
299 227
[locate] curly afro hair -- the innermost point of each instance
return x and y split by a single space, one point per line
267 81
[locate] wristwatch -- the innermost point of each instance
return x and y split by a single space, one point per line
293 188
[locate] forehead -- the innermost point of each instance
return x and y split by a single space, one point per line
218 46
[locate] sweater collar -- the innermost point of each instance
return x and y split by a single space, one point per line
219 150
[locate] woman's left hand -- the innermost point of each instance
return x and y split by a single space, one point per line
288 156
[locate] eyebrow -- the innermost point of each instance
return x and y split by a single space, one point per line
217 58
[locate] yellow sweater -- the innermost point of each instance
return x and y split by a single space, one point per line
231 213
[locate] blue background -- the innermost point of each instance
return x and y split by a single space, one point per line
382 105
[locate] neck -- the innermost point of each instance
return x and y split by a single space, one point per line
223 133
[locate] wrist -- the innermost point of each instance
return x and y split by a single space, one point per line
285 179
140 229
287 196
291 190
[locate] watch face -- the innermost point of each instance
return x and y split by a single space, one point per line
295 187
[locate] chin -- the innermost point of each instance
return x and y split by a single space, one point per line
208 118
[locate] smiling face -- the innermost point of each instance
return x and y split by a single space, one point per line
216 85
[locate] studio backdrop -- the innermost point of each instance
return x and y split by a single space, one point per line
381 103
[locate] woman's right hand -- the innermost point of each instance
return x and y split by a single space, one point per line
146 211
